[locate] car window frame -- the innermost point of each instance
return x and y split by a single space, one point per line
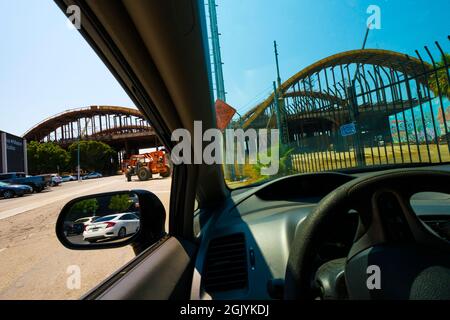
111 53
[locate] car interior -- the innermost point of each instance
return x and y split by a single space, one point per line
300 237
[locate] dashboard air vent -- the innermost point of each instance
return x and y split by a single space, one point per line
226 265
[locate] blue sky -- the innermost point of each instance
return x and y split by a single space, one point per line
309 30
46 68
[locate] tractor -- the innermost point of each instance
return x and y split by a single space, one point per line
146 165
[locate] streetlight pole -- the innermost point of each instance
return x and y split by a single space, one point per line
78 152
78 160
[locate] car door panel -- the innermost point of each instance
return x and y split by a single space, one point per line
127 226
159 273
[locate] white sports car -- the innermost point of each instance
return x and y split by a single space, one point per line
111 227
86 221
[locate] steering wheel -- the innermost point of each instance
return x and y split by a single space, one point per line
394 255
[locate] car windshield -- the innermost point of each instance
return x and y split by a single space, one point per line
107 218
330 86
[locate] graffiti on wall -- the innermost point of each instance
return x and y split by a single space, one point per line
423 123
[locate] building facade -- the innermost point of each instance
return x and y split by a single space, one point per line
13 153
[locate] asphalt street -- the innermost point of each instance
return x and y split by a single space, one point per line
34 265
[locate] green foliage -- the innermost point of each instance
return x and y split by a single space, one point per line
441 81
119 203
94 156
85 206
46 158
284 163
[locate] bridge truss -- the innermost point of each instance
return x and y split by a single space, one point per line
395 106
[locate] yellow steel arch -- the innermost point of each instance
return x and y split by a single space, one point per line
394 60
50 124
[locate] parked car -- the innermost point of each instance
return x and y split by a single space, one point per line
86 221
92 175
38 183
111 227
78 226
68 178
56 180
72 228
81 224
8 190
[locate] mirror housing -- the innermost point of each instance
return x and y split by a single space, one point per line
149 229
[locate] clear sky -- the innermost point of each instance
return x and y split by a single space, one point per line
309 30
46 68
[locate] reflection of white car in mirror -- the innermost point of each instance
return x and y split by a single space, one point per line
112 226
80 225
86 221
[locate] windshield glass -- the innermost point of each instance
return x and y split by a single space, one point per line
338 85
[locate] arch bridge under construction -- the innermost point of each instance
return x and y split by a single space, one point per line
124 129
361 108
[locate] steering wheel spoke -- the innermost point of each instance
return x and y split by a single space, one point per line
330 280
390 219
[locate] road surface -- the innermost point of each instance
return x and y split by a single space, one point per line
34 265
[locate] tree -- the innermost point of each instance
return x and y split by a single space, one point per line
439 80
94 156
120 203
89 206
46 158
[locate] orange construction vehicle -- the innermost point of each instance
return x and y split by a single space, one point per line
146 165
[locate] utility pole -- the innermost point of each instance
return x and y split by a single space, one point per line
277 111
279 102
354 112
218 69
217 57
278 65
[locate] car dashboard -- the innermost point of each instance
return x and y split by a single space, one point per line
244 246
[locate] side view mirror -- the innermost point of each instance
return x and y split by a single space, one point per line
111 220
